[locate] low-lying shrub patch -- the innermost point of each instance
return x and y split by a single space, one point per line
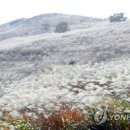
114 115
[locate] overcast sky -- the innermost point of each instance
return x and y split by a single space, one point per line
14 9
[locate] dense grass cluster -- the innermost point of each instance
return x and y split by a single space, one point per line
68 118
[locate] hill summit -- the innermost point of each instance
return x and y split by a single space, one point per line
40 24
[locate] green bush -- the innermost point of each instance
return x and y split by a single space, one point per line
72 62
62 27
118 17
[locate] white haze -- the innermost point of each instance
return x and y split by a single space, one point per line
14 9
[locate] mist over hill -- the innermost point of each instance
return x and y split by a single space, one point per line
40 24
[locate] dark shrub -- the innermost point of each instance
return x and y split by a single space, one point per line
118 17
62 27
72 62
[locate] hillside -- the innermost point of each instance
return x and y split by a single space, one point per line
40 24
35 71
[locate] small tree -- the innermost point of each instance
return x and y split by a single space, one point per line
62 27
118 17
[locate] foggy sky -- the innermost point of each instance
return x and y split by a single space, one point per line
14 9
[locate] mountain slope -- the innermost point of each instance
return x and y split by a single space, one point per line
35 71
40 24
